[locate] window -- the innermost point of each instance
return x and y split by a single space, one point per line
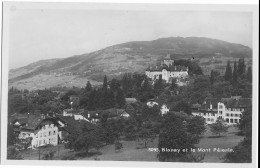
208 119
227 120
54 132
236 115
220 112
49 133
231 120
235 120
212 119
204 114
227 114
220 106
231 115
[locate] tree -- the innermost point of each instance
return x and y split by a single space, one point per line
173 135
173 84
86 138
214 76
146 134
120 98
235 73
249 74
11 135
196 126
183 106
228 73
242 153
88 87
158 86
218 127
241 67
105 83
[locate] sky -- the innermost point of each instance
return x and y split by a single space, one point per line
37 34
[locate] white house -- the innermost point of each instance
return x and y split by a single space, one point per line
151 104
228 109
42 130
74 113
167 70
164 109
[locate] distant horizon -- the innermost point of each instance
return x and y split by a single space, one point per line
122 43
40 33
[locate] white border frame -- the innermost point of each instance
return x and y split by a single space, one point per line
157 6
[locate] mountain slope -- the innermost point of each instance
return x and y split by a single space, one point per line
131 57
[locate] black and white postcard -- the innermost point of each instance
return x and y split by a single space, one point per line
129 84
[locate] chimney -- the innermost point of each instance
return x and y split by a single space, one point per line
210 106
28 115
88 115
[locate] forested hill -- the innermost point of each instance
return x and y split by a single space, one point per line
133 56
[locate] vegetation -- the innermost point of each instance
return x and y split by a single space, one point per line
243 151
13 153
218 127
173 135
178 129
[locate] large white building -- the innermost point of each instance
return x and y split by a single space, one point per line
42 131
167 70
46 130
228 109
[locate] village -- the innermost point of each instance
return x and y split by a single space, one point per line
133 110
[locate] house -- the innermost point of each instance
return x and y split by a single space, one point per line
167 70
74 100
228 109
122 113
130 100
112 113
164 109
43 131
77 114
231 109
152 103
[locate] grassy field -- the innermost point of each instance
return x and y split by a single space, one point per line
131 153
229 140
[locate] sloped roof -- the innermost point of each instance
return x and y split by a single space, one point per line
130 100
74 125
236 103
210 101
29 121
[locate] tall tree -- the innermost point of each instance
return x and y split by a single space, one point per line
120 98
249 74
173 135
235 72
218 127
88 87
228 73
241 67
196 126
158 86
105 82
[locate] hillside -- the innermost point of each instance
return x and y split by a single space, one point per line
133 56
